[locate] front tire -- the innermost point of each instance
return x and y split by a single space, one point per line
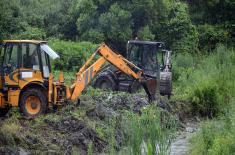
33 103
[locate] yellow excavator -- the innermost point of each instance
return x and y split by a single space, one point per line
27 81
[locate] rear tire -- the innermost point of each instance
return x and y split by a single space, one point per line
33 103
105 82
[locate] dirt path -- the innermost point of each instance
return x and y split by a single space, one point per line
181 145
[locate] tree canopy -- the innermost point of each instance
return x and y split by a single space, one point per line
185 26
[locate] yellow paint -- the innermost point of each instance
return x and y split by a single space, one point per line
13 97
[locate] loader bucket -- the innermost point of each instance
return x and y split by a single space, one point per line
150 87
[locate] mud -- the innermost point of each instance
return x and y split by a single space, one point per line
79 135
67 131
73 129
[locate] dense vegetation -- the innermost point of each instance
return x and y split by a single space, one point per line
200 32
206 84
185 26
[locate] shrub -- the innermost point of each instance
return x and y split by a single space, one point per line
206 81
72 55
216 137
205 101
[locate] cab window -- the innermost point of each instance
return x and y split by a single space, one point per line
45 64
11 56
30 58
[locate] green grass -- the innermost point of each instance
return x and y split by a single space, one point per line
216 137
206 83
149 132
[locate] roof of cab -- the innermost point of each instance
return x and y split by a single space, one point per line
158 44
23 41
145 42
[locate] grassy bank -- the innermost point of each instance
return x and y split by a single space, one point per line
206 83
105 122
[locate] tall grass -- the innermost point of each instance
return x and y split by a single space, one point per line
148 133
206 81
216 137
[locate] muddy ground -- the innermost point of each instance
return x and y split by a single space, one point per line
72 129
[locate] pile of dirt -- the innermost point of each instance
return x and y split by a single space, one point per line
78 135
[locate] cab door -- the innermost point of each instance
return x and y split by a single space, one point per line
30 69
11 64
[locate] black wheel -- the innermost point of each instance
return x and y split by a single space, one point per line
135 86
105 82
33 103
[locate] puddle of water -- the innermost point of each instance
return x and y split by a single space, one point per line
181 145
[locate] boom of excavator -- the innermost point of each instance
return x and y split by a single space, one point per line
30 85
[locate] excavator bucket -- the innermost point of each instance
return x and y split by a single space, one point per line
150 87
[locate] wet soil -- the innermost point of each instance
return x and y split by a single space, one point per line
68 130
73 129
181 144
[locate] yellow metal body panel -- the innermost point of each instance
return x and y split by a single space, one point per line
16 79
2 100
13 97
36 77
83 79
50 89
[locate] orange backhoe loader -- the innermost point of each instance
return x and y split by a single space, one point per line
27 82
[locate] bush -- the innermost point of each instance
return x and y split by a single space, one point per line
72 55
205 101
206 81
216 137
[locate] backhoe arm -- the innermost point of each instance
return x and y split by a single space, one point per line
87 72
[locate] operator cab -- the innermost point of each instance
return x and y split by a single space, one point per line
23 59
147 55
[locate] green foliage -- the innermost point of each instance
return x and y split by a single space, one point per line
118 22
205 100
214 19
145 33
10 21
184 26
216 137
180 33
210 36
31 33
206 81
152 131
72 55
90 149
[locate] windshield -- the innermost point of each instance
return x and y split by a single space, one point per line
49 51
144 56
140 54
